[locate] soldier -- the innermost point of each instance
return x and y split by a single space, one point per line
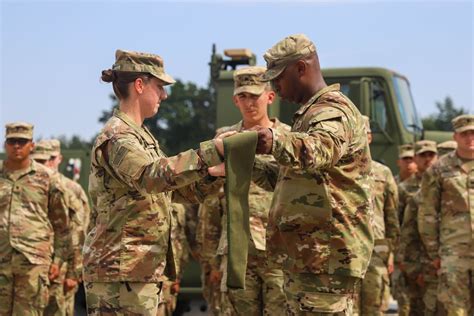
320 219
411 254
446 147
263 293
33 226
79 212
375 289
445 219
128 252
405 163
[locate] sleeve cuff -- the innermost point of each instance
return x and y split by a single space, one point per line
209 153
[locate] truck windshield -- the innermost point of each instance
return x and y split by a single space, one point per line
405 104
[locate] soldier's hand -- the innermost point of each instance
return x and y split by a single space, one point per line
265 139
436 263
217 171
69 284
175 288
420 280
215 277
219 141
53 271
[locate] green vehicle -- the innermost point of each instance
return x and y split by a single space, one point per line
381 94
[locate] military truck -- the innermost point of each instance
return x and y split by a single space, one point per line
381 94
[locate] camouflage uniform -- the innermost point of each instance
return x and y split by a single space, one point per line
128 252
375 286
446 221
168 298
208 235
320 220
263 293
33 234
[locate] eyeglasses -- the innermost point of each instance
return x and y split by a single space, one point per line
19 141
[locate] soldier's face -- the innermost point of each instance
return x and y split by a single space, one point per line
425 160
18 149
152 95
254 107
465 141
287 86
407 165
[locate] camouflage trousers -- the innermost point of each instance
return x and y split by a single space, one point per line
263 293
226 307
168 300
320 294
456 285
211 292
415 293
23 286
57 300
374 292
122 298
400 292
69 299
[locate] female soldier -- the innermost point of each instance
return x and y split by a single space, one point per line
127 254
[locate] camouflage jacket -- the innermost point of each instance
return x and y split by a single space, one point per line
385 199
79 210
131 187
407 189
321 214
446 215
33 215
259 199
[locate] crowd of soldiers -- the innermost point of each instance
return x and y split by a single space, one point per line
331 231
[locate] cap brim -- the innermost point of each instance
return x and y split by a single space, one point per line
408 154
167 79
424 150
255 90
272 73
40 156
464 128
18 135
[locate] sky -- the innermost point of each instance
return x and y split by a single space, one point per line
52 52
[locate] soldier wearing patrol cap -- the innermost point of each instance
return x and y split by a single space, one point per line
411 256
446 147
128 253
263 293
445 219
405 162
320 220
33 226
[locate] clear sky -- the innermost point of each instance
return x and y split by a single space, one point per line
52 52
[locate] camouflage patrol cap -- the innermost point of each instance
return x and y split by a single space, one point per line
42 151
248 80
141 62
406 151
55 147
367 123
288 50
463 123
446 147
423 146
19 130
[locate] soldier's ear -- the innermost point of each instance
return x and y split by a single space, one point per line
270 96
301 67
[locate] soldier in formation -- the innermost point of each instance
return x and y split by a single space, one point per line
446 220
405 163
34 235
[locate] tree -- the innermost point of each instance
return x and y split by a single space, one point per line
186 118
442 120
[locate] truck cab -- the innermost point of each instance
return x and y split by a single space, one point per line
381 94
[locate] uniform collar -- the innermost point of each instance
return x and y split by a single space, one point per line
142 130
314 98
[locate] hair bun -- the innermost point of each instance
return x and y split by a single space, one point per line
108 75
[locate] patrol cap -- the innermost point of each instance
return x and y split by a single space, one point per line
367 123
19 130
42 150
55 147
141 62
423 146
463 123
406 151
446 147
248 80
289 49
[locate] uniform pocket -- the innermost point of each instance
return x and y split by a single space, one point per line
324 302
